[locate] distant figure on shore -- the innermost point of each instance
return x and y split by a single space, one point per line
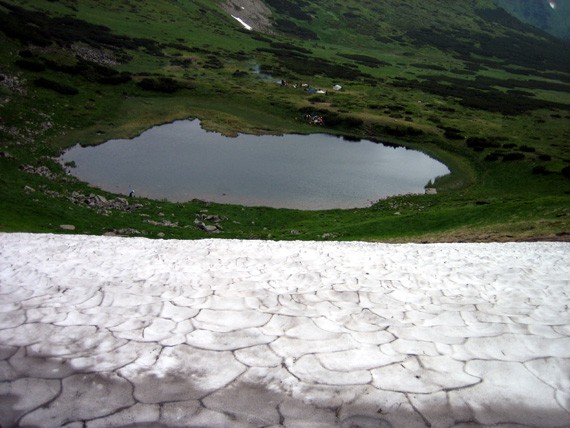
131 193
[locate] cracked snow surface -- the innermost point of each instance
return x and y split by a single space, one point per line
107 332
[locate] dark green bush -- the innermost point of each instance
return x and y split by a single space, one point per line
513 157
30 65
289 27
55 86
116 79
293 8
480 143
290 47
317 99
453 134
364 60
161 84
401 131
527 149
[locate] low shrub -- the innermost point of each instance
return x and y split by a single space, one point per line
480 143
30 65
55 86
289 27
453 134
401 131
513 156
541 169
317 99
161 84
364 60
116 79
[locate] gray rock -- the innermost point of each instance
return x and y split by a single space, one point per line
122 232
67 227
208 227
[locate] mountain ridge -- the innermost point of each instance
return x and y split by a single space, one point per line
549 15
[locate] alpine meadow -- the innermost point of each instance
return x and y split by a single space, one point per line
465 82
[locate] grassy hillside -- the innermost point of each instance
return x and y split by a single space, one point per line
463 81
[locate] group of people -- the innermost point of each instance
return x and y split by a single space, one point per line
315 119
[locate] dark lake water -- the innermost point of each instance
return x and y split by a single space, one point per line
180 162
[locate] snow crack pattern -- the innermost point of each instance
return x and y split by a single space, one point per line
104 331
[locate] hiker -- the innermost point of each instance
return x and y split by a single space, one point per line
131 193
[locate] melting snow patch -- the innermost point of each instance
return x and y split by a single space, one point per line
246 26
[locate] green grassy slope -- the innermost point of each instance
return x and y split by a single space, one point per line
463 81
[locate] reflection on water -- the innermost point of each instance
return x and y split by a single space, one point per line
180 162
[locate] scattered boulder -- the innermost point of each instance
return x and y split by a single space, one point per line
203 217
210 217
101 202
122 232
210 228
164 222
67 227
42 171
329 235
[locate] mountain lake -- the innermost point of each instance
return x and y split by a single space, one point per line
180 161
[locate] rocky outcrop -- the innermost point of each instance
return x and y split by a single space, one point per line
42 171
201 218
253 12
98 56
101 202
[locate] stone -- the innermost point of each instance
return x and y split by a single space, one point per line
67 227
208 228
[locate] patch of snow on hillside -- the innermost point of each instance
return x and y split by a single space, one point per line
552 3
241 21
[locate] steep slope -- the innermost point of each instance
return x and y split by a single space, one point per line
548 15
